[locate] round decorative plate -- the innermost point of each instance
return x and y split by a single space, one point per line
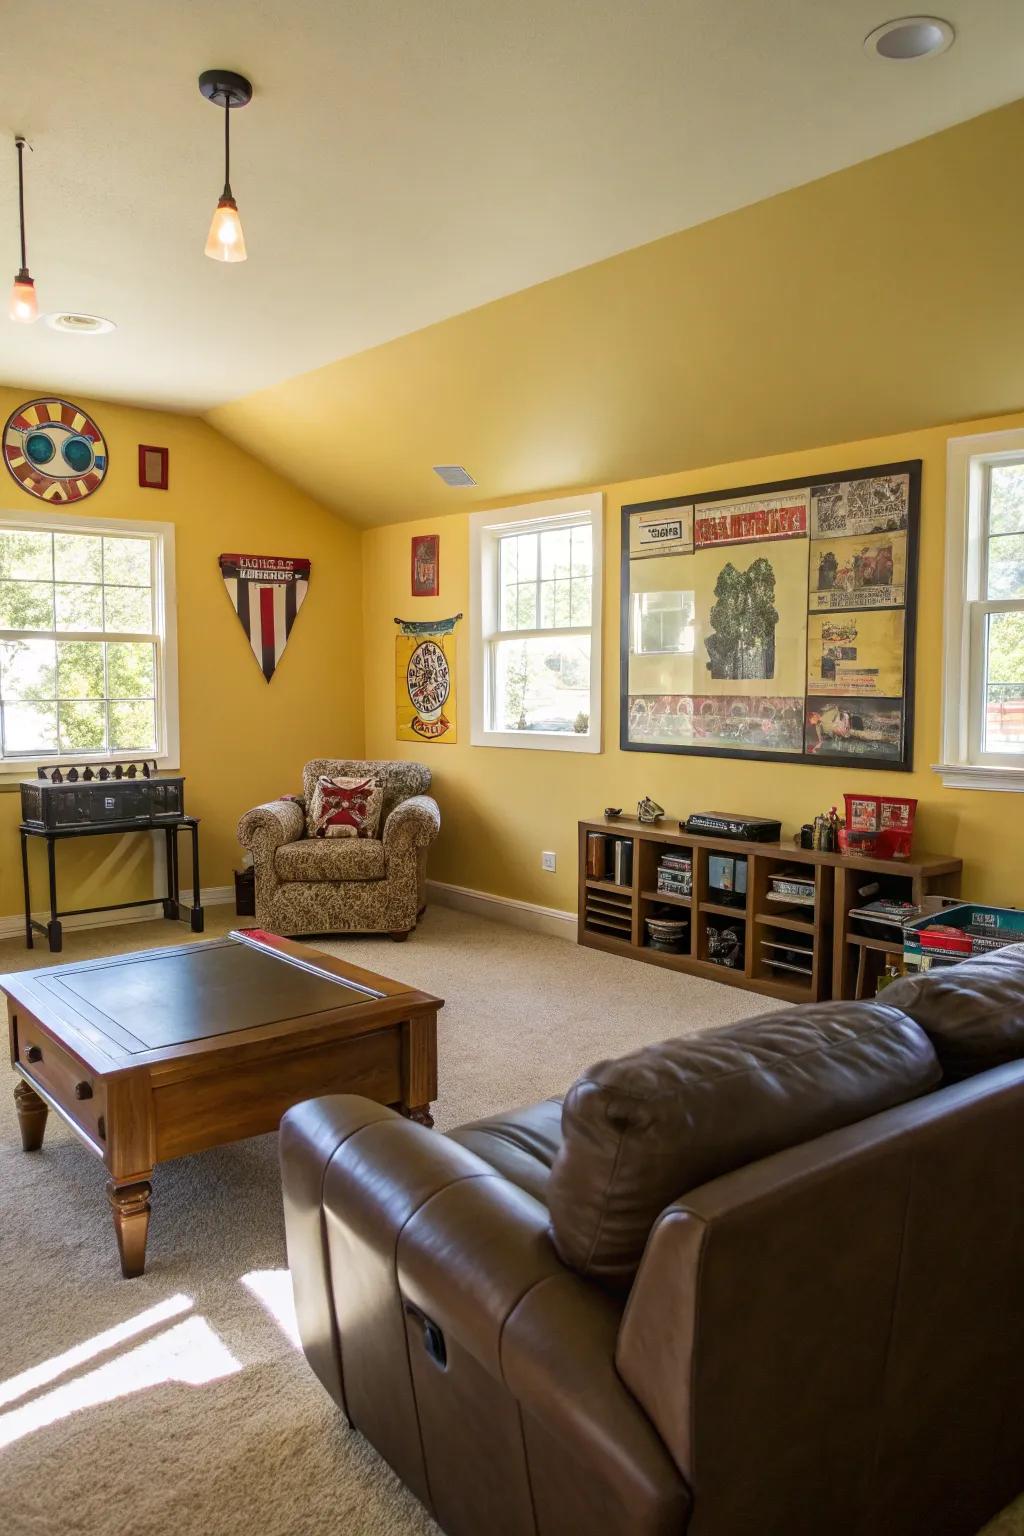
428 679
55 450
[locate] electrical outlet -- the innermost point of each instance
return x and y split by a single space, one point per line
548 862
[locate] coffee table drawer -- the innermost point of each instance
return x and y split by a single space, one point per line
79 1094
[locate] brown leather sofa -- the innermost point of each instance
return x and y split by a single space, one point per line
765 1282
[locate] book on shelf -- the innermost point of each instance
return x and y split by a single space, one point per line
597 856
622 861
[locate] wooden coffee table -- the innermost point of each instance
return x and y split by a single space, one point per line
155 1055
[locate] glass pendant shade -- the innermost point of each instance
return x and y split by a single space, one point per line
24 306
226 242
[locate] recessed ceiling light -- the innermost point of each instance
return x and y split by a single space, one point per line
80 325
910 37
454 474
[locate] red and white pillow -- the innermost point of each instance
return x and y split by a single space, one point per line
344 808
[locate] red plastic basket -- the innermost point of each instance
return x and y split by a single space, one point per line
879 826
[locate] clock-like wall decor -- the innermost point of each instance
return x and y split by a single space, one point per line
55 450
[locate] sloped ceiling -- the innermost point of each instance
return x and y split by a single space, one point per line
882 298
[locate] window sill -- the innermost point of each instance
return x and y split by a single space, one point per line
543 741
975 776
12 774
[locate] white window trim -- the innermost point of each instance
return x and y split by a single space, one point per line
485 529
967 460
168 755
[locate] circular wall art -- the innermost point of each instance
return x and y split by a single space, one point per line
55 450
428 679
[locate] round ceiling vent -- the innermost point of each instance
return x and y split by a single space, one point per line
80 325
910 37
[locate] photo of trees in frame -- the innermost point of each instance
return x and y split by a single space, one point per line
774 621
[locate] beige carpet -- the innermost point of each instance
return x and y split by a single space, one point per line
177 1403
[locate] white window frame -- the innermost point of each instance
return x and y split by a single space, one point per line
485 530
161 536
964 764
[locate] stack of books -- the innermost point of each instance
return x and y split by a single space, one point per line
609 858
675 874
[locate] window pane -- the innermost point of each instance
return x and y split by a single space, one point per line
1006 504
30 727
555 597
582 551
1004 684
80 669
26 605
1006 565
77 557
131 668
28 669
554 553
26 555
526 544
128 608
78 607
132 725
126 562
580 603
83 726
526 607
508 563
542 685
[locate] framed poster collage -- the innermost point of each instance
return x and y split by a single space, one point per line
774 621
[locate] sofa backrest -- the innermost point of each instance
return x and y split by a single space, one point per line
401 780
835 1334
973 1013
642 1130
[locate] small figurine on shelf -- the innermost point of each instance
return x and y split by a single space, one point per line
649 811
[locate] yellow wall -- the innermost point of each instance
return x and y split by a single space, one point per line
242 740
501 808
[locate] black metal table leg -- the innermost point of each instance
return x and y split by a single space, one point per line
29 941
54 932
171 899
197 918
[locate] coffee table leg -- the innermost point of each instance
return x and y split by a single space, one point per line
420 1113
32 1113
130 1205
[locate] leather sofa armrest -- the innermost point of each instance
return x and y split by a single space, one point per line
413 824
266 827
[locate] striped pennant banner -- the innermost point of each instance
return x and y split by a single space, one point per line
266 592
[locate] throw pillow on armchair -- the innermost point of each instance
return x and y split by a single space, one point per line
345 807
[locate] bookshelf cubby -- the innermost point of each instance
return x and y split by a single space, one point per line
790 948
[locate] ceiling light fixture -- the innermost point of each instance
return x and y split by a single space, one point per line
80 325
226 90
909 38
24 305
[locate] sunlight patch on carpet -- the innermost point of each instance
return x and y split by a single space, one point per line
273 1290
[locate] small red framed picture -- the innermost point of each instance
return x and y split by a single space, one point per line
426 565
153 465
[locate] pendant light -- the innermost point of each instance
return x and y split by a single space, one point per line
24 307
226 90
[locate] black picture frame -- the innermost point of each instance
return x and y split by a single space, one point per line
905 764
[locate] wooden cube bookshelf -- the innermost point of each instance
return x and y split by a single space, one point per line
789 949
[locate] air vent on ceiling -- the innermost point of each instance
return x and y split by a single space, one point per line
454 474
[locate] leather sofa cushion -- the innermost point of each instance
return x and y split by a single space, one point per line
973 1013
520 1143
330 859
643 1130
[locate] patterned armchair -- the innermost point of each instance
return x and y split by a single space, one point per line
344 885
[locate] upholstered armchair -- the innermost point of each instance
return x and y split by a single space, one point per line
344 884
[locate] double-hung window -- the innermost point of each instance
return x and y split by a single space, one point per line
536 625
983 705
87 652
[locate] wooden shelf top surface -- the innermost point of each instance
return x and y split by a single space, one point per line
668 831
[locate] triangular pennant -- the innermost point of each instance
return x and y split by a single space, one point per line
266 592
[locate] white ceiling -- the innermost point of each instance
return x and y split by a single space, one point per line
405 160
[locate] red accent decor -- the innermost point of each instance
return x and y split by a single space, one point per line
153 477
426 564
344 807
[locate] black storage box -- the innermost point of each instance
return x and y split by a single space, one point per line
95 801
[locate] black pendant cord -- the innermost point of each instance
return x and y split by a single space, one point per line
20 146
227 147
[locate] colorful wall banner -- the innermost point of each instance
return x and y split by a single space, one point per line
266 592
425 694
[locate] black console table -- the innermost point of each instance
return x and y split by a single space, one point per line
171 902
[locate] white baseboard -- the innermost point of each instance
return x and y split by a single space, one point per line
505 909
210 896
